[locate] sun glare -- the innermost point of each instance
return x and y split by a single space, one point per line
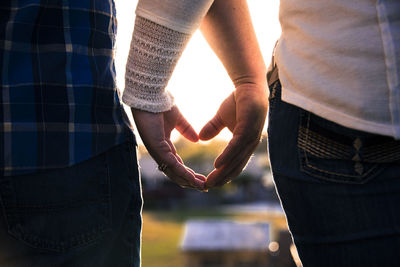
200 82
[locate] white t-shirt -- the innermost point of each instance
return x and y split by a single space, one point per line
340 59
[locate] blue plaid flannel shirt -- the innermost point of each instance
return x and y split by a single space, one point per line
59 101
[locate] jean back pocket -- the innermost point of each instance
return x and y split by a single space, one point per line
61 209
332 152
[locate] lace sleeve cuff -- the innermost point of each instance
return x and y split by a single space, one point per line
153 55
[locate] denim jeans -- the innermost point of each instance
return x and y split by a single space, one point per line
339 187
88 214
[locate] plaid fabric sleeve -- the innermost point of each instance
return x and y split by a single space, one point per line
60 104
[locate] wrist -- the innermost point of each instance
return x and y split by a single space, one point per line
254 83
255 90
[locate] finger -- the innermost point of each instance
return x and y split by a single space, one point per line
186 130
234 172
171 145
182 182
200 177
215 177
190 170
197 175
229 171
176 170
183 177
163 154
212 128
236 146
173 150
182 172
225 117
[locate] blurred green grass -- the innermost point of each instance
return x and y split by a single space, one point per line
162 234
163 230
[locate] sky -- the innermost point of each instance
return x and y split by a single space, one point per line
200 82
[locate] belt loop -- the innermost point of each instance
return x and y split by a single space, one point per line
272 73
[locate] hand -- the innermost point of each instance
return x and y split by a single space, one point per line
155 130
243 112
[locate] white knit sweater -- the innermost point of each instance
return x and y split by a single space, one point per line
162 30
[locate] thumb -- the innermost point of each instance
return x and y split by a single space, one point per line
212 128
186 130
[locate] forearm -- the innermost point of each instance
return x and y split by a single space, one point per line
228 29
154 52
162 30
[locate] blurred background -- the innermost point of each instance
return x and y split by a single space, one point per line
240 224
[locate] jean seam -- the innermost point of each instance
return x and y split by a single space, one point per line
336 173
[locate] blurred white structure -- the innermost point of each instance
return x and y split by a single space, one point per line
223 243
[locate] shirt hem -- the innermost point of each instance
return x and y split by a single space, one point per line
340 117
